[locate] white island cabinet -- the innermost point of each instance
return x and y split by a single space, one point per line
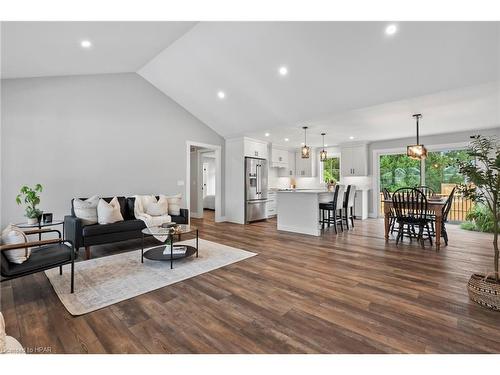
298 210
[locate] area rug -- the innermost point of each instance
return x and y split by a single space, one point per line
105 281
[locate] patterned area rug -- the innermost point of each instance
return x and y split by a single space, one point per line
104 281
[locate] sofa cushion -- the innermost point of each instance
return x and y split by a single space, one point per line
41 258
121 226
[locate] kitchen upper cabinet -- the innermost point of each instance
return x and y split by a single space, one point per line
289 171
256 149
279 158
354 160
305 167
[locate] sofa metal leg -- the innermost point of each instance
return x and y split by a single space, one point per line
60 270
87 252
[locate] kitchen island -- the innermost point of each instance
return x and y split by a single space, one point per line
298 210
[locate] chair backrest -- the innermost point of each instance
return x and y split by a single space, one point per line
447 205
349 196
428 191
339 197
410 203
387 193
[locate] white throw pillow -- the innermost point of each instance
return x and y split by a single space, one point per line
86 210
12 235
157 208
174 204
3 336
108 213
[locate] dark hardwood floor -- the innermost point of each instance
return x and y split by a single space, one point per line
351 293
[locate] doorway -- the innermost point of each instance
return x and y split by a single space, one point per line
203 176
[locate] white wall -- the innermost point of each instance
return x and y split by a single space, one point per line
110 134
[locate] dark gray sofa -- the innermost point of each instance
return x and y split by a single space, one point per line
98 234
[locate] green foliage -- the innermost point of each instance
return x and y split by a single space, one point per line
31 197
483 186
480 219
397 171
441 167
331 170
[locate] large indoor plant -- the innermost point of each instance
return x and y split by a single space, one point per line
483 187
31 197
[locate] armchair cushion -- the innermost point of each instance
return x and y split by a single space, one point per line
41 258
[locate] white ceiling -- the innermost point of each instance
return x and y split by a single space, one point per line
334 68
476 107
36 49
345 78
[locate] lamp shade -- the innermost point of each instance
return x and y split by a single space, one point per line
322 155
417 152
305 152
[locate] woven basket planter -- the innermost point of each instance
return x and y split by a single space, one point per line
485 291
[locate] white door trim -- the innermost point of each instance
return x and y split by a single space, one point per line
218 177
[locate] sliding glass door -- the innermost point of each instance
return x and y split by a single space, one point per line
438 171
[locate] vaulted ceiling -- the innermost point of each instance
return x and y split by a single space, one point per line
345 78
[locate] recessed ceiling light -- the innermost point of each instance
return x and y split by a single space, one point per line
302 144
326 145
283 70
267 134
86 43
286 139
351 137
391 29
221 94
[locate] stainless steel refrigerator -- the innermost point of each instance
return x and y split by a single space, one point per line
255 189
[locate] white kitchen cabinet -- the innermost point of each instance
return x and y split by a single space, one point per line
289 171
271 203
354 160
305 167
279 158
256 149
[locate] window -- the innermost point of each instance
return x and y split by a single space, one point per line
331 169
438 171
397 171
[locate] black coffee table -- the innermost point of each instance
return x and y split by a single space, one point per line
157 252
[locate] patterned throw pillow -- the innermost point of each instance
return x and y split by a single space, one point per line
108 213
86 210
12 235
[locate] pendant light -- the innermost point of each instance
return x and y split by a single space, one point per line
322 154
305 151
416 151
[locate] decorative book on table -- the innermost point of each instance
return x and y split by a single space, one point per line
177 250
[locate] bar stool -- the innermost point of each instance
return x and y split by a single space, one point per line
333 209
349 205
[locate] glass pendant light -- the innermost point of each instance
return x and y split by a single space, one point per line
305 151
322 154
416 151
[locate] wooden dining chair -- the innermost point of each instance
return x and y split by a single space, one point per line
392 214
427 190
410 206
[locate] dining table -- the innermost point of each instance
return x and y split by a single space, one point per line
433 205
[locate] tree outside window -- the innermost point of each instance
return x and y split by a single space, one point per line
331 169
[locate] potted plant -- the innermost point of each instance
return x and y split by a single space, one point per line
483 187
31 197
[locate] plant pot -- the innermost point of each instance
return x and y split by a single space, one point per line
484 291
33 220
